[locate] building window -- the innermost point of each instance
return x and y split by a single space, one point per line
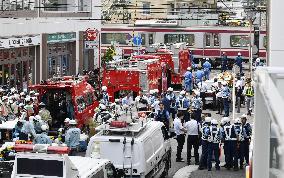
146 7
179 38
265 41
121 38
240 40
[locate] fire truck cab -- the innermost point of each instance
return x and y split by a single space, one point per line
142 148
133 75
71 97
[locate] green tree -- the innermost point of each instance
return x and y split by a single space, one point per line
108 55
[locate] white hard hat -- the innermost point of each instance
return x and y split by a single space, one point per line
60 130
37 118
22 93
151 92
224 83
116 100
196 92
226 119
238 121
182 92
104 88
156 90
21 104
189 68
67 120
207 59
214 122
32 92
4 97
258 59
239 54
244 116
170 89
44 127
207 119
223 121
72 122
31 118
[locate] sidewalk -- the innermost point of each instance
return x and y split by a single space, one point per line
223 173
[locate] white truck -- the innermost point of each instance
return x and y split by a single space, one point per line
61 166
138 150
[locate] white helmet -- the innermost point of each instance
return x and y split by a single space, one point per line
37 118
196 92
60 130
44 127
224 83
32 92
170 89
156 90
67 120
102 106
238 121
207 59
104 88
182 92
207 119
116 100
257 59
226 119
31 118
223 121
214 122
244 116
189 68
151 92
239 54
72 122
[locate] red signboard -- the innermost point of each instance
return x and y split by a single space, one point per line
91 34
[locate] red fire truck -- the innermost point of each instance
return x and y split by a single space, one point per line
67 97
133 75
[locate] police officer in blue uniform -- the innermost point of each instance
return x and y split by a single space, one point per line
224 61
199 74
197 105
182 102
163 116
43 138
206 69
214 139
241 134
248 132
204 143
171 97
226 93
72 138
230 144
239 62
188 80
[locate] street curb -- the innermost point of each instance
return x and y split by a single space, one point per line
185 171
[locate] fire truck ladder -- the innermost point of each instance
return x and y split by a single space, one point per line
128 156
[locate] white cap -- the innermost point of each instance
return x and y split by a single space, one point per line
182 92
189 68
238 121
60 130
116 100
37 117
226 119
67 120
214 122
244 116
223 121
156 90
224 83
4 97
207 59
31 118
32 92
44 127
239 54
104 88
170 89
72 122
196 92
22 93
21 104
258 59
207 119
151 92
102 106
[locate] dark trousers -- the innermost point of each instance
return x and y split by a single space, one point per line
180 141
192 141
226 107
204 155
202 96
213 148
224 67
240 153
172 112
219 105
246 150
232 149
142 109
197 115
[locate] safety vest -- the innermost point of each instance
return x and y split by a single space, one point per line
240 133
204 134
228 133
214 136
250 91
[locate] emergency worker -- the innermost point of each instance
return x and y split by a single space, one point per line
248 92
199 74
182 102
224 62
4 108
172 99
44 113
179 131
248 132
72 137
43 138
188 80
28 130
197 105
105 96
204 143
226 94
202 87
239 62
241 134
38 123
141 102
206 69
214 139
163 116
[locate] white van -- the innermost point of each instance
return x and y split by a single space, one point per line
61 166
138 150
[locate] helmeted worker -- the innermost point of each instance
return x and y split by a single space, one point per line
43 138
257 62
224 61
182 102
44 113
248 92
248 133
72 137
226 94
197 105
239 62
206 69
241 134
38 123
163 116
28 130
204 143
105 96
172 100
141 102
214 139
188 80
199 74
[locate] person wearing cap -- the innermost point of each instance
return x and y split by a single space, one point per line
105 96
141 102
193 131
72 137
38 123
28 129
224 61
226 94
188 80
29 106
206 68
180 136
44 113
163 115
248 92
191 57
248 133
204 142
198 76
182 102
257 62
171 97
241 134
202 87
214 139
239 62
4 108
43 138
197 105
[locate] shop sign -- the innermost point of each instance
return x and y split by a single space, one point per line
91 34
91 44
61 37
20 42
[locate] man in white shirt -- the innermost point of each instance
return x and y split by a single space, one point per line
202 86
179 131
192 128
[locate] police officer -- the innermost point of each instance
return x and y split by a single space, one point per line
163 116
239 62
214 139
230 144
43 138
182 102
188 80
197 105
72 137
141 102
249 94
44 113
179 131
204 142
241 134
105 96
172 99
225 92
248 132
199 74
206 69
224 61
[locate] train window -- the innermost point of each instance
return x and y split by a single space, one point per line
207 39
240 40
108 38
151 39
216 39
179 38
265 41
